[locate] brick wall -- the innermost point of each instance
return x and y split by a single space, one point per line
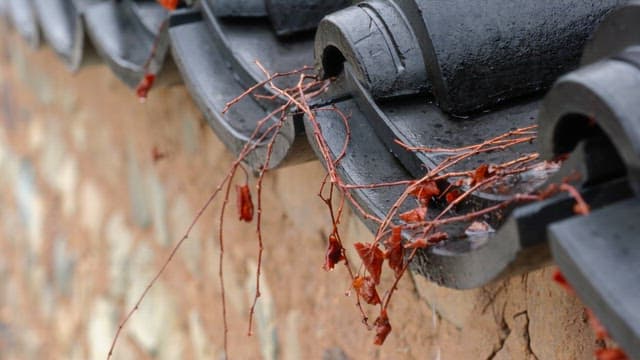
87 216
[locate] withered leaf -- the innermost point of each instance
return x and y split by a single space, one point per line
425 191
395 251
245 205
169 4
383 327
414 216
372 258
334 253
480 174
366 288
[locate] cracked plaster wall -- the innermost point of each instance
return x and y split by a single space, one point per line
87 216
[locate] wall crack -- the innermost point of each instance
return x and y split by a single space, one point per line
506 331
527 337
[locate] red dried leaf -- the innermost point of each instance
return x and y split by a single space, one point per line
452 195
414 216
480 174
559 278
334 253
366 288
611 354
245 205
142 90
395 251
395 256
372 258
425 191
596 325
396 236
169 4
383 327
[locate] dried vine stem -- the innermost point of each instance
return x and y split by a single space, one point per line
265 131
164 266
296 100
336 251
427 227
500 142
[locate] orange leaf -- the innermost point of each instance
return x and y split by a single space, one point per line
334 253
372 258
414 216
452 195
480 174
366 288
425 191
169 4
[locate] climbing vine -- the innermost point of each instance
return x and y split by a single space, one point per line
400 235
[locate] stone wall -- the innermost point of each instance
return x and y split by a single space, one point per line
88 214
